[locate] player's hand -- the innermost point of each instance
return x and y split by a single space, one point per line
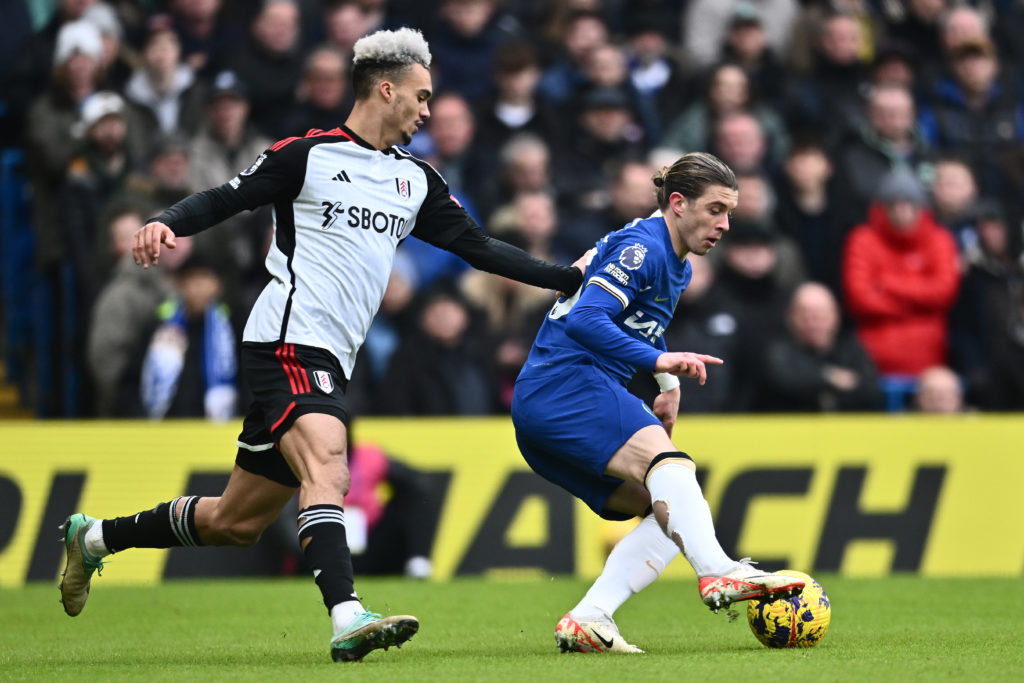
147 241
686 364
666 408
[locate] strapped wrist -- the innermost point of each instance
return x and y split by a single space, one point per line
666 381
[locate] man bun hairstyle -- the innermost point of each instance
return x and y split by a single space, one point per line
691 175
384 55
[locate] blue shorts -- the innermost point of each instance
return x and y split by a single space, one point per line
569 425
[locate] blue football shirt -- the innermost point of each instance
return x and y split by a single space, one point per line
616 319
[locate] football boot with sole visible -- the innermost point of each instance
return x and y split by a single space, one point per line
371 631
77 575
599 634
746 582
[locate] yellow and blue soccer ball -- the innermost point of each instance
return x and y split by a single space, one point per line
801 621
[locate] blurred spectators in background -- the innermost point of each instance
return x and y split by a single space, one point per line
582 32
631 197
976 112
656 74
817 367
441 367
164 91
189 362
51 119
728 91
706 23
226 144
828 98
96 174
513 108
545 119
606 133
206 39
464 42
808 211
269 62
746 44
324 97
523 165
346 21
939 392
887 139
750 288
123 312
988 321
739 140
954 194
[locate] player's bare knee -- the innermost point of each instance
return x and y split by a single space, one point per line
223 527
327 474
660 509
234 532
667 458
245 534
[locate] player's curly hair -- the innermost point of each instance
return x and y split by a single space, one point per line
691 175
385 54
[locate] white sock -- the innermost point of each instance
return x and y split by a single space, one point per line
634 563
344 613
689 517
94 540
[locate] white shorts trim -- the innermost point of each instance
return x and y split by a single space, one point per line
255 448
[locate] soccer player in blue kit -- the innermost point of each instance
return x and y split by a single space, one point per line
578 426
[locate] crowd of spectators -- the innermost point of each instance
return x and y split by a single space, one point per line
879 148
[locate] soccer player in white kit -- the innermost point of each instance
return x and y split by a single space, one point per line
343 200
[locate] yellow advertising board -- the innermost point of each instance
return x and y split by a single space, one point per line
858 495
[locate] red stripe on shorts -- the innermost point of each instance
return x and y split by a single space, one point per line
287 411
300 372
280 353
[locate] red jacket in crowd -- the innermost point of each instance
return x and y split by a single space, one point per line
899 287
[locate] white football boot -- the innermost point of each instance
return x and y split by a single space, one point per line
599 634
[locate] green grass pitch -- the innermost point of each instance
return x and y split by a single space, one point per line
902 628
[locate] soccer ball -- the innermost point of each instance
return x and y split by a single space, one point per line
800 621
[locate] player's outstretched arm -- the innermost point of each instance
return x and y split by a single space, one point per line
686 364
494 256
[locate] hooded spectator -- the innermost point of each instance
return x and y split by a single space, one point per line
900 278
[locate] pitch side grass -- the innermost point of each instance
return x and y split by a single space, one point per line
886 629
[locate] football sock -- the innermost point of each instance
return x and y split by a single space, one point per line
327 553
634 563
689 517
344 613
162 527
94 543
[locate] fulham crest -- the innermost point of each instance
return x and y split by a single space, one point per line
402 187
323 381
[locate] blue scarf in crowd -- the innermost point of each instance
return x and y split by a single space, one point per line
165 359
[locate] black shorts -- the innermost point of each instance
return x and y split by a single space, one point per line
287 380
